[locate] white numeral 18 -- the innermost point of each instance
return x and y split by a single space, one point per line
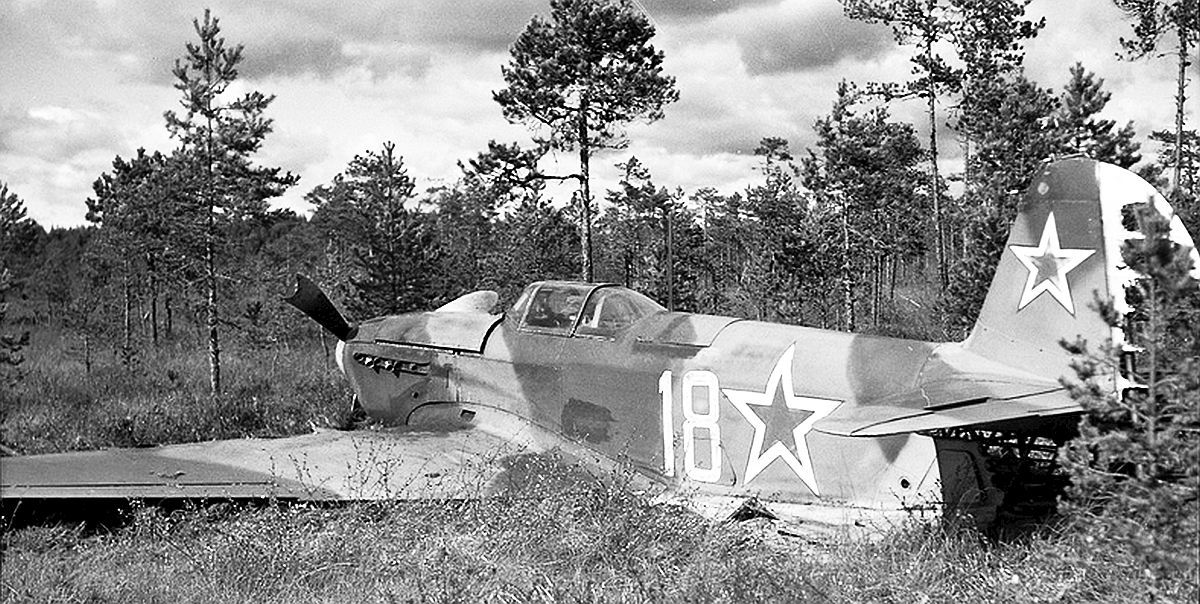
693 420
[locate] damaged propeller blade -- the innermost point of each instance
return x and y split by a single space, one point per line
310 300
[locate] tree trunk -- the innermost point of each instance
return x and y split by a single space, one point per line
169 326
670 260
210 303
150 265
847 280
1180 98
127 324
324 349
1154 329
876 286
585 193
210 262
967 173
935 187
895 266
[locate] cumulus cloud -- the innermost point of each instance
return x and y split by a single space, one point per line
53 191
320 57
798 35
144 37
696 9
86 80
721 109
51 132
798 42
729 102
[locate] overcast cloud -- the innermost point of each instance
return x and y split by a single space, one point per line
86 80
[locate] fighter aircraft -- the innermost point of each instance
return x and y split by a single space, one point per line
819 425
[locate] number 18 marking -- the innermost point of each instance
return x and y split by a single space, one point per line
693 420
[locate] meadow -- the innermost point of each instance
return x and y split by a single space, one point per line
604 542
162 397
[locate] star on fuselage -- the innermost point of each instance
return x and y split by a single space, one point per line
1048 264
782 425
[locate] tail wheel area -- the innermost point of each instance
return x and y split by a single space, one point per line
1021 468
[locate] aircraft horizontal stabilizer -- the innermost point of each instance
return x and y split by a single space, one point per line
986 413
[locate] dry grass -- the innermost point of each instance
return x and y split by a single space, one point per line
163 398
605 545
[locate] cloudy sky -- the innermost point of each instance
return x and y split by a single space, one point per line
86 80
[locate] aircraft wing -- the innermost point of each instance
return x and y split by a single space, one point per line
327 465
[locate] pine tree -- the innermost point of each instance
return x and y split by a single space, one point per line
17 236
11 344
72 284
20 237
1135 466
389 245
725 241
217 140
923 24
784 257
272 248
866 176
986 38
1083 99
536 241
582 75
650 236
466 215
463 219
136 205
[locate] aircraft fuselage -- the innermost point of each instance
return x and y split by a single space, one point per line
706 403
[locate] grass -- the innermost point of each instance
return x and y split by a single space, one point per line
606 545
602 543
164 398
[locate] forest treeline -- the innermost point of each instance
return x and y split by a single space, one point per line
863 231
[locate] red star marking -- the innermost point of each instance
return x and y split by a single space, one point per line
1048 264
782 436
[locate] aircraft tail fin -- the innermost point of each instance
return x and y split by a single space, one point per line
1064 253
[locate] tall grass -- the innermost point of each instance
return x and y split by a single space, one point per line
162 397
606 544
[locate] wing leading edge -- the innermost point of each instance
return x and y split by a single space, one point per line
327 465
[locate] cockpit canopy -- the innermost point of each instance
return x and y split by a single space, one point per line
583 309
